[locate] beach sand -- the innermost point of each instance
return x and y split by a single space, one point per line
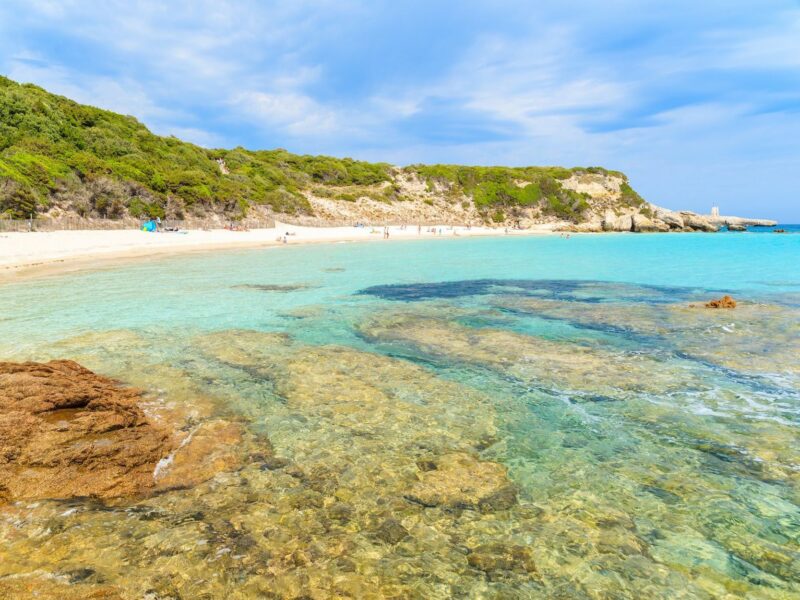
39 253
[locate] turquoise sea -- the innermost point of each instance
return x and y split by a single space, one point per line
652 444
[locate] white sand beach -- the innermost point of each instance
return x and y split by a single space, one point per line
36 253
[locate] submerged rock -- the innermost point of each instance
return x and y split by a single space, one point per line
462 481
586 370
391 531
495 558
50 588
724 302
209 449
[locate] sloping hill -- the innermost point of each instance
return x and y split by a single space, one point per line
60 156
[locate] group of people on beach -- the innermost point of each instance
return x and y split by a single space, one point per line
285 237
386 230
433 230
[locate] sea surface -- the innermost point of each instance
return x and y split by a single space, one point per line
653 444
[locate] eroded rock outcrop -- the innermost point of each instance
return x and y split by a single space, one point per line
591 226
68 432
698 222
643 224
671 219
612 222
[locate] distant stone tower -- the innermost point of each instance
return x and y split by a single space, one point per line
715 211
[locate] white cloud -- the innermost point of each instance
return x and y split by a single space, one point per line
295 113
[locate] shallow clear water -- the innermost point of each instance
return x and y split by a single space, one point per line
654 445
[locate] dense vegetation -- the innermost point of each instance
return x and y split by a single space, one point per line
54 151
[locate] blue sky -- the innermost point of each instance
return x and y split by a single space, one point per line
698 102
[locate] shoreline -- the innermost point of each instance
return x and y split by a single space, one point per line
24 255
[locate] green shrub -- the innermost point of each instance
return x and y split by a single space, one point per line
17 201
282 200
629 195
138 207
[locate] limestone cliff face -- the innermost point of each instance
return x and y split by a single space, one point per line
410 199
607 204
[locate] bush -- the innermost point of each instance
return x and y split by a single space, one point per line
282 200
16 201
629 196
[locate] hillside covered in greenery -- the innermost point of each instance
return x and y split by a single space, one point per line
93 162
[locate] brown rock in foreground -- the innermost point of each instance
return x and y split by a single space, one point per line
66 431
724 302
461 481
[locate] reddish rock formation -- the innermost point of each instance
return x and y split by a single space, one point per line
66 431
724 302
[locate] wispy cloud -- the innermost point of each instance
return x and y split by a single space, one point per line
297 114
